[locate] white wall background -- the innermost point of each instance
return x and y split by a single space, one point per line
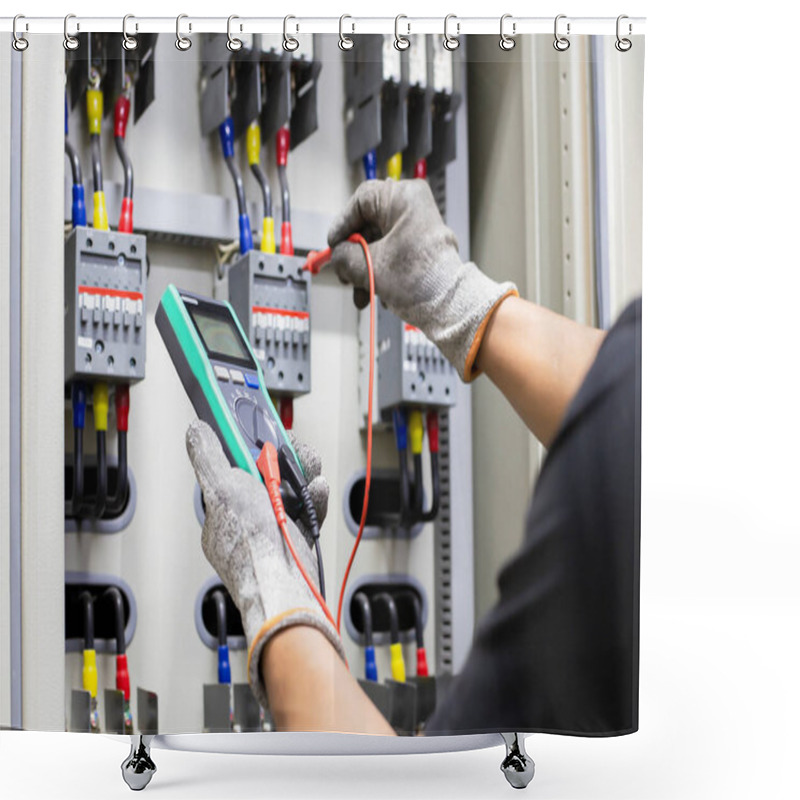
720 596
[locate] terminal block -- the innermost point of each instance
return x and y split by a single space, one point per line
269 293
410 369
105 293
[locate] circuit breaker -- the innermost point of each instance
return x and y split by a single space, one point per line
105 291
269 293
410 369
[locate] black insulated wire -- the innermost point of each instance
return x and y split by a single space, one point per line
119 500
405 491
433 511
417 606
97 164
77 472
102 476
127 166
239 185
286 210
366 616
394 620
115 595
74 162
87 603
222 617
417 485
266 193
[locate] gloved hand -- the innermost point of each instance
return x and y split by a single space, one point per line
242 541
418 272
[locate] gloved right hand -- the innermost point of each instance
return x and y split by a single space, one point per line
242 541
418 272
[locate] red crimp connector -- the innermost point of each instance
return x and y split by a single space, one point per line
282 147
287 412
433 431
287 247
126 216
421 168
316 260
122 405
121 112
123 679
422 663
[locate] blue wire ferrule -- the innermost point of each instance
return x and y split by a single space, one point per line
78 205
245 234
78 405
370 665
223 664
371 165
400 429
226 137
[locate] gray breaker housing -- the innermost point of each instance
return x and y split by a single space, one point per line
269 293
104 337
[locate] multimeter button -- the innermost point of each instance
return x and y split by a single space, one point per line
251 380
221 373
237 376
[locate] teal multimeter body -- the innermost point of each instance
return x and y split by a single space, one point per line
222 377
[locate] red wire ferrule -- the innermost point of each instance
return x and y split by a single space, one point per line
421 168
287 248
126 216
422 663
123 679
287 412
433 431
122 405
122 111
282 147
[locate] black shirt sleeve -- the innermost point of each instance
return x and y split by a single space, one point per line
559 653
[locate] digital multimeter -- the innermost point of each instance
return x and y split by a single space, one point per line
221 375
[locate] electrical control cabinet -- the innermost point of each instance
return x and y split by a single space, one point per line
410 369
269 293
105 290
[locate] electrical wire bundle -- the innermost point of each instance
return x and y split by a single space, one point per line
226 136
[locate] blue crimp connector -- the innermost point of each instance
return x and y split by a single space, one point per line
245 234
370 666
371 165
223 664
226 137
78 205
400 429
78 405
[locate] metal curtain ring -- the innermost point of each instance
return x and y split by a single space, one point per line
183 43
345 42
19 43
451 42
233 44
561 43
129 42
70 42
623 45
507 42
290 44
401 42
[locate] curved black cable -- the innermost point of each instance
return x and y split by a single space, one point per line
418 628
74 161
119 500
87 601
239 184
77 472
417 485
115 595
394 620
127 165
266 192
102 476
97 164
366 616
286 211
433 511
222 617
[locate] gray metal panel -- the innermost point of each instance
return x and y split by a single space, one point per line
15 386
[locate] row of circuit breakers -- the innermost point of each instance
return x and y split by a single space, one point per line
395 103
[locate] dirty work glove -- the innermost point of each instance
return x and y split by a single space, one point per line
242 541
418 273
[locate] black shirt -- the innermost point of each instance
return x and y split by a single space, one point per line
559 653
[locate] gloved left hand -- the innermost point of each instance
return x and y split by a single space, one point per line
242 541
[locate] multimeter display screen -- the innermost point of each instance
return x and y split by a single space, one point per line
220 337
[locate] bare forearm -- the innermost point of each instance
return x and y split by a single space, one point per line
310 688
538 360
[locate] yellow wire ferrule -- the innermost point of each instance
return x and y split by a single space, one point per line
398 662
99 212
100 404
253 143
394 167
416 431
94 109
90 672
268 235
